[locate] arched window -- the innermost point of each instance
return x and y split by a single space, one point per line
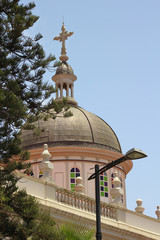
104 184
74 173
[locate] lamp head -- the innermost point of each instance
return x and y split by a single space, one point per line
134 154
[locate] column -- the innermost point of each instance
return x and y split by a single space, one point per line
57 91
61 90
72 90
67 92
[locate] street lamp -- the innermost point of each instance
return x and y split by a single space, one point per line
132 154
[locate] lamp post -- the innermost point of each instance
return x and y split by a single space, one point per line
132 154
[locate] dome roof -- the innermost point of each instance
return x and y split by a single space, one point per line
82 129
64 68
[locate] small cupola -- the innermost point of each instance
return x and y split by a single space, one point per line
64 77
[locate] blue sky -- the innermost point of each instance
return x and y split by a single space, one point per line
115 54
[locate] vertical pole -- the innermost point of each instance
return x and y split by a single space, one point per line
98 210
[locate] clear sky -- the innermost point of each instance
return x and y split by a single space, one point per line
115 54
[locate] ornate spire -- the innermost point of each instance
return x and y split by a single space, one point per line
64 78
62 37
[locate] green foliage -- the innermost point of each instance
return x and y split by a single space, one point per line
22 65
72 231
20 215
68 114
57 63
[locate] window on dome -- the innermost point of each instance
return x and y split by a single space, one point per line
74 173
104 184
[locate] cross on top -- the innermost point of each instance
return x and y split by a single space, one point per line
62 37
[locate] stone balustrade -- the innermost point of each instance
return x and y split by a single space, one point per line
65 202
83 202
43 189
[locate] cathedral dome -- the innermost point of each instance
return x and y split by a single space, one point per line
76 143
83 129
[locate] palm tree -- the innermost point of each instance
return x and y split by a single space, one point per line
72 231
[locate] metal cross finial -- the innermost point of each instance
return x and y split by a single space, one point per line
62 37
